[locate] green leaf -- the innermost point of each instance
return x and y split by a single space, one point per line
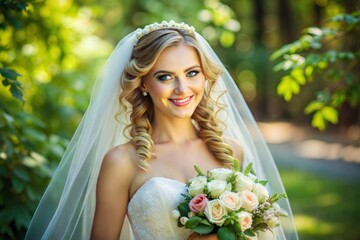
338 98
9 73
250 232
193 222
298 75
226 233
288 87
330 114
236 165
203 229
184 208
313 106
280 52
263 182
248 169
205 222
199 171
318 121
17 93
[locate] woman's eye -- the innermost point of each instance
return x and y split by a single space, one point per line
192 73
163 77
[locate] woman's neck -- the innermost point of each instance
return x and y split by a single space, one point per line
173 131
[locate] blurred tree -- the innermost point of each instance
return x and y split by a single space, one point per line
24 169
330 54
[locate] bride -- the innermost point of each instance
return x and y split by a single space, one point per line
162 103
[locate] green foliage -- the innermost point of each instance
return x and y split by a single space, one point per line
10 79
24 170
325 54
25 149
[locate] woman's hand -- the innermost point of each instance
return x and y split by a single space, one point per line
196 236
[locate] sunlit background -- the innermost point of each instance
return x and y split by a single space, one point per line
58 46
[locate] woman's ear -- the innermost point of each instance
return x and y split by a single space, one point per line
143 86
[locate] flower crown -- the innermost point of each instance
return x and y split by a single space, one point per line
164 24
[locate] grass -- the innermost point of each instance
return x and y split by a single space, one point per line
323 208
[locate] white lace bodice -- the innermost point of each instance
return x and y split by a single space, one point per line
150 208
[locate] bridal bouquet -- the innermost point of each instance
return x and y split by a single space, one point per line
231 203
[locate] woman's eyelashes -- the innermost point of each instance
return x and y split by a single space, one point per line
165 77
192 73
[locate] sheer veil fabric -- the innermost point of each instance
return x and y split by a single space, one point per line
67 207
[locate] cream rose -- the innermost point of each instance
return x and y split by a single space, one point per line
261 192
215 212
217 187
220 173
197 185
245 220
231 201
243 182
249 200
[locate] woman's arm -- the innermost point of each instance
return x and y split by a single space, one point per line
112 193
196 236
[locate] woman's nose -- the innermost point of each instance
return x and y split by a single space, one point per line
181 86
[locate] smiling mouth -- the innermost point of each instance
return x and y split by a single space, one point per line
181 101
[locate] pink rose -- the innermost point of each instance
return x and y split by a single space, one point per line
198 203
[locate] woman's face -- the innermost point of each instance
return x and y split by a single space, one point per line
176 83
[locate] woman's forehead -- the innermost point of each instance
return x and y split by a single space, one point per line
177 57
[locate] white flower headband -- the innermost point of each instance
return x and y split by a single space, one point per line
164 24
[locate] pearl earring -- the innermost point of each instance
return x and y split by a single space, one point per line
145 94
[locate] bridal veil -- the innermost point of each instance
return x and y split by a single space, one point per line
67 207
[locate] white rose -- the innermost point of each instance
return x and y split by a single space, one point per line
249 200
217 187
272 222
220 173
175 214
243 182
245 220
230 200
215 212
197 185
261 192
252 176
191 214
183 220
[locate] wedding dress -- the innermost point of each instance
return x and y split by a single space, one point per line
149 210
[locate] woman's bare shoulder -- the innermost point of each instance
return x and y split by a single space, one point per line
120 160
236 146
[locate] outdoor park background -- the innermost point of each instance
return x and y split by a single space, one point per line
55 48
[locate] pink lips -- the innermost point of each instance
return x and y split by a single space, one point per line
180 102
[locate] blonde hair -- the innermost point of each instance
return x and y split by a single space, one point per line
140 108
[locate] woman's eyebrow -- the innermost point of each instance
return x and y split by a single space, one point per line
195 66
169 72
162 71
